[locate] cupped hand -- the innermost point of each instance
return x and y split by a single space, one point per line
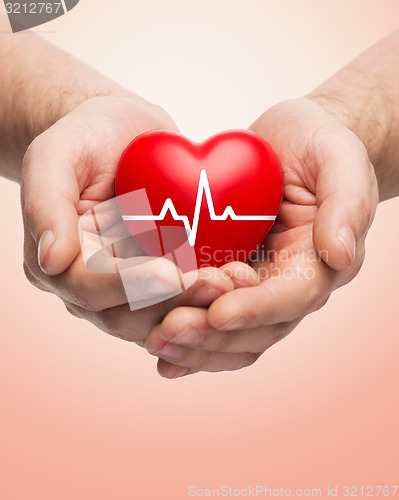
69 169
316 245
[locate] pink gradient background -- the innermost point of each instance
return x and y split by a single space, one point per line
85 416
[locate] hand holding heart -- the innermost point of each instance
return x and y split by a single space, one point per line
68 170
330 197
225 321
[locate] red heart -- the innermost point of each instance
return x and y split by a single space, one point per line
242 172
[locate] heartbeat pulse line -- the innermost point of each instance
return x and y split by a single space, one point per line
203 187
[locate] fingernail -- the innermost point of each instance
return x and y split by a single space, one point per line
233 324
205 294
347 238
189 336
45 242
172 351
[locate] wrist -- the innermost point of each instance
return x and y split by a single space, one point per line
369 127
63 102
370 120
124 111
37 118
40 84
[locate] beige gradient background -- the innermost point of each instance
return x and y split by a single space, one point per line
85 416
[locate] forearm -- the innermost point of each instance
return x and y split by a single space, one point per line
364 95
39 84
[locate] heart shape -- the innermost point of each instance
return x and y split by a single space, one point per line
224 193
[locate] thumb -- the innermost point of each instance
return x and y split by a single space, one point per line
346 194
49 197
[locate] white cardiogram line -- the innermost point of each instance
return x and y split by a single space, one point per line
203 186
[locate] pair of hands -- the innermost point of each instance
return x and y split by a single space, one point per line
231 315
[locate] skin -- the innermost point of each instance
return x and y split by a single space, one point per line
333 145
62 136
329 184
